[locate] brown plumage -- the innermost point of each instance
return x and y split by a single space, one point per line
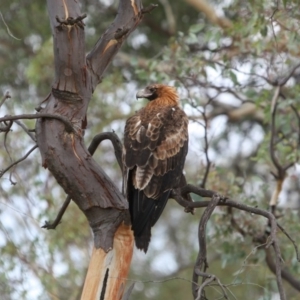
155 147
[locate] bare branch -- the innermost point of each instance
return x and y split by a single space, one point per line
128 17
7 29
284 273
126 295
272 221
116 142
284 80
206 146
92 148
6 95
201 262
68 124
280 171
298 118
32 136
206 282
291 239
6 128
149 8
208 279
169 16
59 216
18 161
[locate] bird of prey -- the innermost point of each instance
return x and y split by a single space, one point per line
155 147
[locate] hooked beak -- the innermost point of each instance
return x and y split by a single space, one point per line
143 94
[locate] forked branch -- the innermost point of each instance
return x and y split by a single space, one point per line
272 240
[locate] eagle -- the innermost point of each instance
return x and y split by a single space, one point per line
154 152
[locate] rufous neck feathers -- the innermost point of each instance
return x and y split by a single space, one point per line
166 96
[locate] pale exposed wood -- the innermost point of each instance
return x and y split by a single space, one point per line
276 192
107 272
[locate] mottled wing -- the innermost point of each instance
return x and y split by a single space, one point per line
155 147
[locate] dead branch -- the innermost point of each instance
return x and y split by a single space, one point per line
208 279
284 80
206 146
291 239
4 98
281 170
284 273
32 136
271 218
127 294
69 127
200 291
116 142
298 119
18 161
128 17
149 8
59 216
7 127
201 263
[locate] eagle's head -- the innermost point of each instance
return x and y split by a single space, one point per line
155 91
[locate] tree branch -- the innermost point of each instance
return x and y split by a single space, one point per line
206 146
284 273
116 142
201 262
2 172
128 17
26 130
68 125
4 98
92 148
272 221
59 216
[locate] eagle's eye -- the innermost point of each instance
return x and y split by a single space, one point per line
152 89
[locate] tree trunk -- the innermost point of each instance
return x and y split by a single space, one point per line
63 151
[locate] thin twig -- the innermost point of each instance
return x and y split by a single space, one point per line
298 119
32 136
149 8
291 239
206 282
284 273
284 80
6 149
206 146
6 95
273 133
7 29
207 276
201 262
59 216
18 161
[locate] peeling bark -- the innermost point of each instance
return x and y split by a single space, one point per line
64 152
76 76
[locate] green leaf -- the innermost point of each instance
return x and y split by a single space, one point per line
196 28
233 78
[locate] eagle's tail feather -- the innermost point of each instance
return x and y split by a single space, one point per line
144 214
